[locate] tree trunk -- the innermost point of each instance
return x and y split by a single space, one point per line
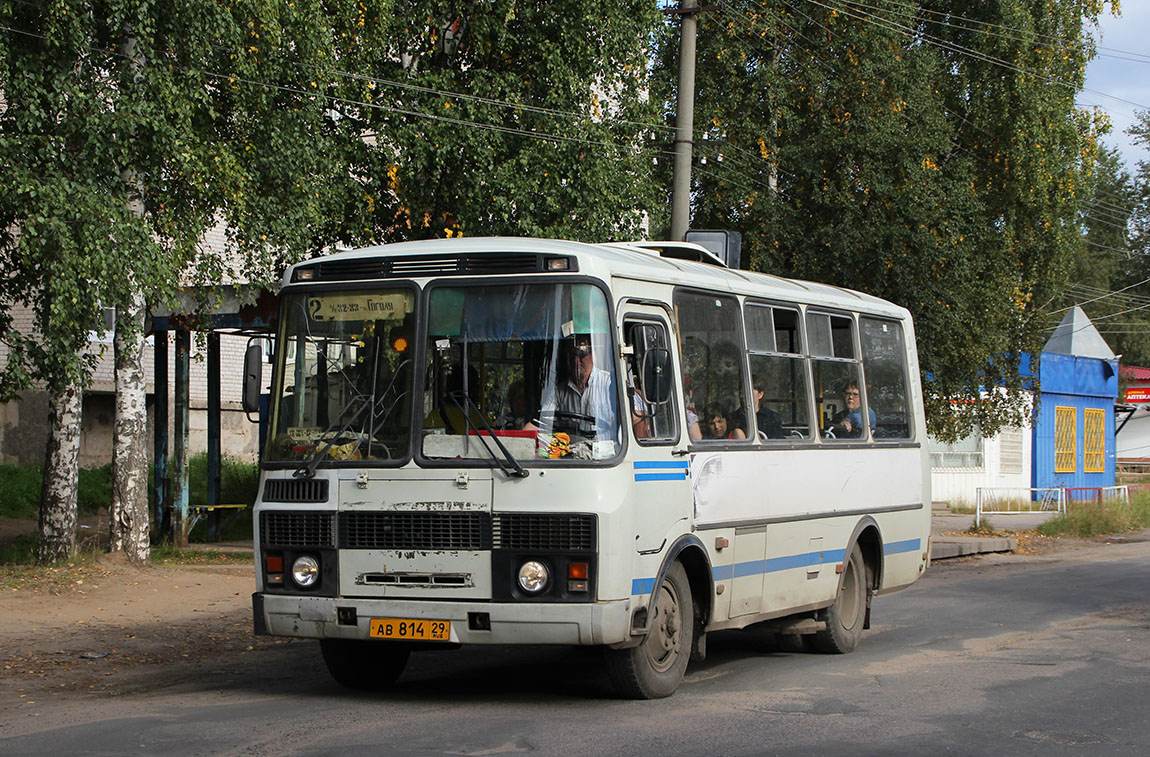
61 477
128 531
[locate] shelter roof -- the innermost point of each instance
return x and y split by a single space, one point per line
1077 336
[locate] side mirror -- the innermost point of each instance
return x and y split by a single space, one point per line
656 376
253 378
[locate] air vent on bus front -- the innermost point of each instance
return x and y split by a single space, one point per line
404 529
473 264
297 529
529 531
295 490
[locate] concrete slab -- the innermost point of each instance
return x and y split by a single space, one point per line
962 546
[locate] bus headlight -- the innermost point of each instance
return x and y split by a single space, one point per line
305 571
533 577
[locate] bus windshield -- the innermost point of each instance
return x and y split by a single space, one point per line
529 364
344 378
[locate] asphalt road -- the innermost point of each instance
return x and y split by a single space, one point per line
1027 655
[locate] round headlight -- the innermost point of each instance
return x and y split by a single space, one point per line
305 571
533 577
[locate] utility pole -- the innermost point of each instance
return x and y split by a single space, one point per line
684 121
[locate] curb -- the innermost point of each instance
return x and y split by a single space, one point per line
946 548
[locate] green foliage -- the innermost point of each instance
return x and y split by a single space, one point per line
239 480
1110 516
20 490
928 161
20 551
515 118
1111 280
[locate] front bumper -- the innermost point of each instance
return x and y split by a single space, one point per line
508 623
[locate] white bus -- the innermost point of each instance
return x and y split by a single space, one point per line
524 441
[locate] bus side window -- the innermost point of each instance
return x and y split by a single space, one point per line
652 421
713 364
778 373
841 402
884 359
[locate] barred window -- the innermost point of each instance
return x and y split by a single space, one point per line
1065 439
1094 440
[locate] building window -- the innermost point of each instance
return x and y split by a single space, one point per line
1094 441
965 453
1065 439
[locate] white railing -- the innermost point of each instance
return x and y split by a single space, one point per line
1017 500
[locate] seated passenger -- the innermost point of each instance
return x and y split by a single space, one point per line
770 423
587 392
515 416
849 423
717 424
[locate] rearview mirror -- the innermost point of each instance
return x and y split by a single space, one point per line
253 378
656 376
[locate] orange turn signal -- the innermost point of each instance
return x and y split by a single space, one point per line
274 564
577 570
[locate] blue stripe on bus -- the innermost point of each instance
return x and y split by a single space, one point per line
761 567
679 476
897 547
661 470
642 586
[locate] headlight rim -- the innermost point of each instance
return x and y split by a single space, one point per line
311 578
541 569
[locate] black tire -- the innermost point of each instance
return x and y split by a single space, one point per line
845 617
655 668
364 665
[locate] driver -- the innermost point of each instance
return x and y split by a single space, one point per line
588 390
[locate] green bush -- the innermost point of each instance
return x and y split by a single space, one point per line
95 490
19 491
1111 516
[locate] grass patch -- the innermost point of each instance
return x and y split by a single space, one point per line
20 490
1089 519
168 555
239 483
20 551
985 528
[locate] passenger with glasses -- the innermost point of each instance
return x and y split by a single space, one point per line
849 424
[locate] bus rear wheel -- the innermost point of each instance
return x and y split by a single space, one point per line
845 617
655 668
364 665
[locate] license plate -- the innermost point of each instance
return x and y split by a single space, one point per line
412 630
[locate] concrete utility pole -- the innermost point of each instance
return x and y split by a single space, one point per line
684 121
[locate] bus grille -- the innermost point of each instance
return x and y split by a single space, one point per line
397 529
295 490
545 532
297 529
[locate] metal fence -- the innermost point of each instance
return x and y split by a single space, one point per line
1017 500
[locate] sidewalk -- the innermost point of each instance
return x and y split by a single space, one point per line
949 545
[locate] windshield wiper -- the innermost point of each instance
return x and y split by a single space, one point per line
307 470
509 465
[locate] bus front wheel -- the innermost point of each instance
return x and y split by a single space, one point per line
655 668
845 617
364 665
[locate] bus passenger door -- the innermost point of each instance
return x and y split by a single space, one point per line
662 484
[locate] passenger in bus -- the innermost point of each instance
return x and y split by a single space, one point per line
849 424
770 423
515 415
717 424
694 432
